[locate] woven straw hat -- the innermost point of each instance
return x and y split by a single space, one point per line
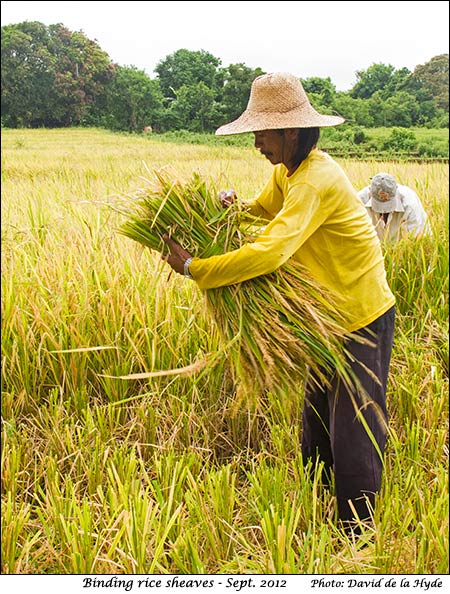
278 101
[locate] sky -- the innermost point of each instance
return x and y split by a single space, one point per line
323 39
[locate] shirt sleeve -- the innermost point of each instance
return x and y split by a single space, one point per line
414 217
270 201
299 217
363 195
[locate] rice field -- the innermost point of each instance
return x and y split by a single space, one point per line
180 473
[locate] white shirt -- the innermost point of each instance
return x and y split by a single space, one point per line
408 215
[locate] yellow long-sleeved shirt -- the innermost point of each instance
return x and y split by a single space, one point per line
316 218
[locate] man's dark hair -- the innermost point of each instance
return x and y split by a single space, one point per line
307 140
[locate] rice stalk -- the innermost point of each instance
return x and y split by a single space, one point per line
281 323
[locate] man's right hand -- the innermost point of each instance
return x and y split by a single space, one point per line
227 197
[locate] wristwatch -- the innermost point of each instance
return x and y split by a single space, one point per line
186 265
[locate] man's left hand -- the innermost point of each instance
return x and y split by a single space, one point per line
177 255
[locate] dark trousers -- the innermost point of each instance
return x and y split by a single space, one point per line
332 431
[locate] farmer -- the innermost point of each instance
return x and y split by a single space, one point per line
311 213
395 210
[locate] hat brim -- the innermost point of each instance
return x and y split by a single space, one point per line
392 205
254 121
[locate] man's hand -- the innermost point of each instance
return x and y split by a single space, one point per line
227 197
177 256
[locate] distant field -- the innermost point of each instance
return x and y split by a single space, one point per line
439 135
180 474
430 143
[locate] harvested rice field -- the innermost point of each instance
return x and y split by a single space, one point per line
129 443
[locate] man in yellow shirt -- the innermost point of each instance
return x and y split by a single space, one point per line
312 214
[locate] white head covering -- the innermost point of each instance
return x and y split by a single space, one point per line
384 182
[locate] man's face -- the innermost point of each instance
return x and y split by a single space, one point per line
270 143
383 196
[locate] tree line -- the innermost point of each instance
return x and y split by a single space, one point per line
54 77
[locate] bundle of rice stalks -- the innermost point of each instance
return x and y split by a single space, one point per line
279 324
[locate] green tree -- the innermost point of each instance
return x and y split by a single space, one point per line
84 72
382 78
355 111
51 76
193 109
236 81
27 74
433 78
401 109
185 68
322 88
134 101
377 110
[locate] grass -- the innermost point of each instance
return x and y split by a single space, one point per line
176 473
